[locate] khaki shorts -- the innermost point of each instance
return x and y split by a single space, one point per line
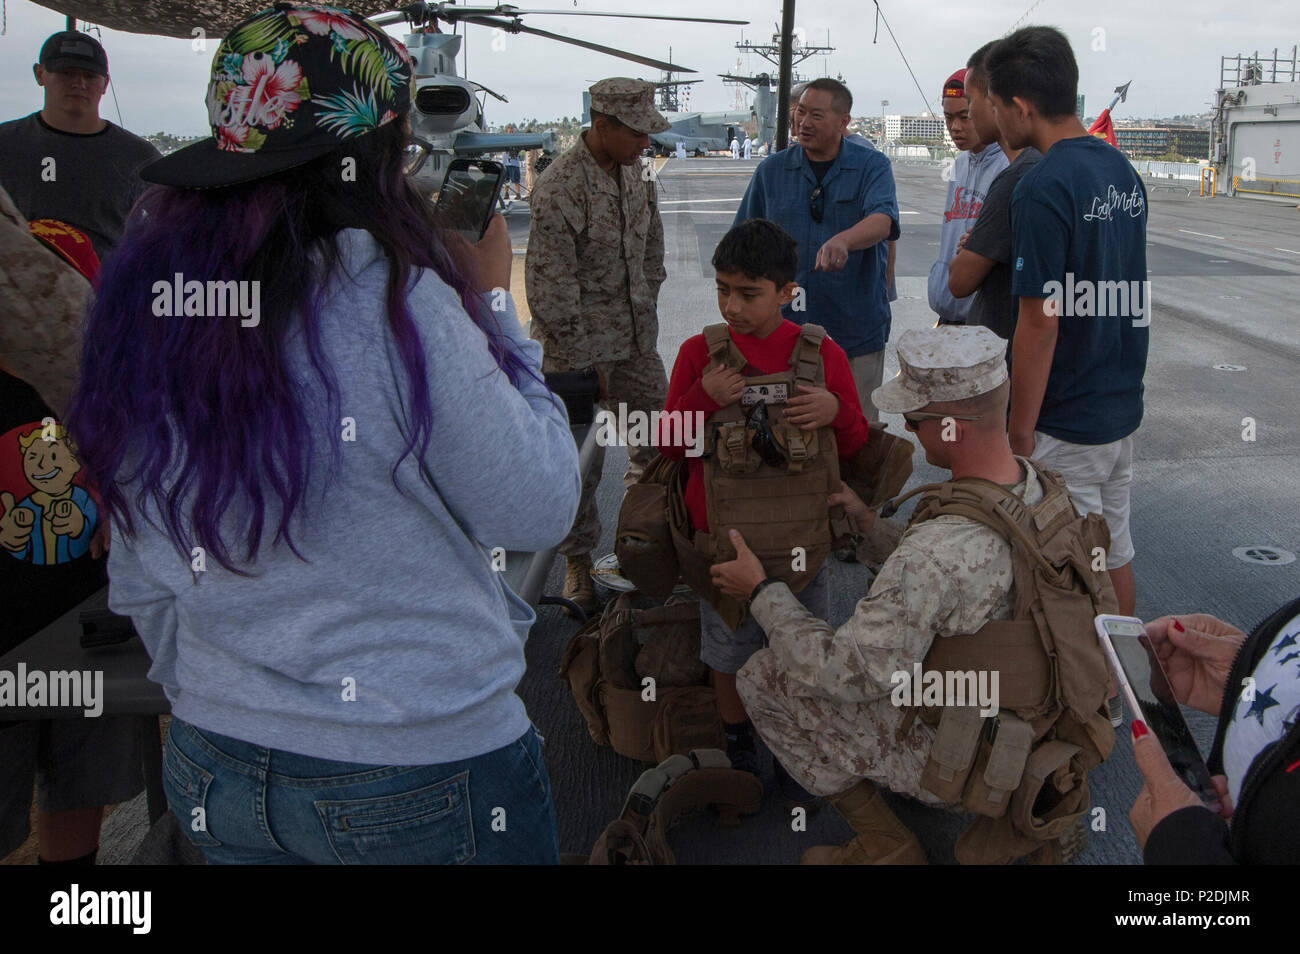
724 651
1099 477
868 374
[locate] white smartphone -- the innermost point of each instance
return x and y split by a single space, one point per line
1146 690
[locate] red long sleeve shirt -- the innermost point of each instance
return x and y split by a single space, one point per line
770 355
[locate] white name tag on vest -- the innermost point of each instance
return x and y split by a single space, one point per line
766 393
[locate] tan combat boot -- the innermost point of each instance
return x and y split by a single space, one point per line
578 584
881 838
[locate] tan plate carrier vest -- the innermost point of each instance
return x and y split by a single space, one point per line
637 678
775 508
1024 771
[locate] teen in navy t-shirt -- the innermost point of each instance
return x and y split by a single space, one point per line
1079 268
1079 224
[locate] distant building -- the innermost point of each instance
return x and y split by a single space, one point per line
1078 106
929 128
1152 142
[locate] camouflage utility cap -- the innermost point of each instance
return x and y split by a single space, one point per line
630 101
948 363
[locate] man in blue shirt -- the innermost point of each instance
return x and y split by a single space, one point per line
836 198
1079 266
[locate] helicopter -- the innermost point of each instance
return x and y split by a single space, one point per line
448 111
448 115
698 133
701 133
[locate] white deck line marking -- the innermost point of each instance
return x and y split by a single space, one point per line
697 211
685 201
1202 234
1291 250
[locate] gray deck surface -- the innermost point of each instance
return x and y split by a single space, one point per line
1199 489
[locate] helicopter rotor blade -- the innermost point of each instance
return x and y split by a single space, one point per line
516 27
505 10
414 12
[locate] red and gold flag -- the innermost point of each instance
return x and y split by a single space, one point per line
1103 128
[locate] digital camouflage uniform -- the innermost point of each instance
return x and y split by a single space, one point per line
594 266
42 299
820 696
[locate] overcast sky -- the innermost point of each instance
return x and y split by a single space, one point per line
1169 48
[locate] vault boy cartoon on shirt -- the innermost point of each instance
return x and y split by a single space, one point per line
53 523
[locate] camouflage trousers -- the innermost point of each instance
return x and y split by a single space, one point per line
641 384
828 746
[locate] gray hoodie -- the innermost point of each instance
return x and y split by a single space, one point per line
394 642
973 173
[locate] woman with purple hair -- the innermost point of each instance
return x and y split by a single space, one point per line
311 421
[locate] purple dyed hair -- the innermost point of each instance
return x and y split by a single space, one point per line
203 413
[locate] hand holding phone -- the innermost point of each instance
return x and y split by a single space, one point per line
1196 651
492 257
1163 792
468 196
1150 698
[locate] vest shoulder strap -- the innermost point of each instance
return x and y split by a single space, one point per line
993 506
806 358
722 350
1056 509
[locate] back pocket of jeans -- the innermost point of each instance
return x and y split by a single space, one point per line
186 785
430 825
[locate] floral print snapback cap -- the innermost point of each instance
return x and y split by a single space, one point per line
290 84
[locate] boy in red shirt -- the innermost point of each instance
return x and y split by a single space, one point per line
755 266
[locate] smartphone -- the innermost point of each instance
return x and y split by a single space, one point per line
1145 688
469 195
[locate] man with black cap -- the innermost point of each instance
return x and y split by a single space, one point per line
594 267
64 162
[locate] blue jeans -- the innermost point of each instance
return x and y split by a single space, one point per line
244 804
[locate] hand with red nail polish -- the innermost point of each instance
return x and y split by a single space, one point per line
1196 651
1163 792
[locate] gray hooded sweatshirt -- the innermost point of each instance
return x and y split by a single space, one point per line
972 176
394 641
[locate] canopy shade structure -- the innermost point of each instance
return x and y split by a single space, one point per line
170 18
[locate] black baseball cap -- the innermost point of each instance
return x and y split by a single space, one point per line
72 50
